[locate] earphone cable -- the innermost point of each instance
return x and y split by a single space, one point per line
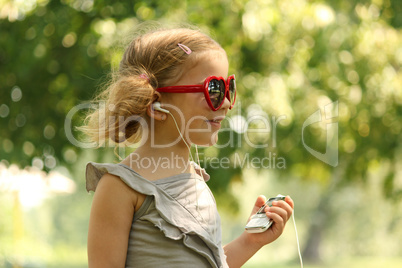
198 160
195 182
297 239
196 192
181 135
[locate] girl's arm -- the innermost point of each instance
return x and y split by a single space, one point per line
110 222
246 245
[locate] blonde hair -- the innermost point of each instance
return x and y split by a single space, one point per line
150 61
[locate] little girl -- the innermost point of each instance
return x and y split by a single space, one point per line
154 209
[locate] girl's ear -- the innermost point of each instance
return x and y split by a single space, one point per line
157 115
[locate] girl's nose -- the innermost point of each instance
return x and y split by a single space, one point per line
226 104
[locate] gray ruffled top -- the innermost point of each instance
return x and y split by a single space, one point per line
177 225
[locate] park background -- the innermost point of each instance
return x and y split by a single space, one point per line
291 58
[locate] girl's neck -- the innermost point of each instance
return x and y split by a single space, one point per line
157 163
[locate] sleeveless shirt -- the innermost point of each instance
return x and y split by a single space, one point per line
178 224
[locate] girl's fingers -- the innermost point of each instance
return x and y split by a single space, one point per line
278 219
278 211
282 208
283 205
290 201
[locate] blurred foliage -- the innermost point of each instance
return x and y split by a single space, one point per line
291 58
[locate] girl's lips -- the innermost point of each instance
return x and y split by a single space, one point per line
216 121
214 124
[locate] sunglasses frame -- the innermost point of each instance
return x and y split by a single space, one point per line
204 88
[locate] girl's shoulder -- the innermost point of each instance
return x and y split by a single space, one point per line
114 189
95 171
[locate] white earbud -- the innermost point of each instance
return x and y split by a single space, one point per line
157 107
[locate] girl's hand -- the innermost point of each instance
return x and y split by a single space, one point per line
280 212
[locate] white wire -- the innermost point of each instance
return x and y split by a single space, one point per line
181 135
196 191
195 179
198 160
297 239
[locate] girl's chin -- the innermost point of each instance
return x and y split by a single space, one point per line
202 142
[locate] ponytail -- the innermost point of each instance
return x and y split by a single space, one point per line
120 109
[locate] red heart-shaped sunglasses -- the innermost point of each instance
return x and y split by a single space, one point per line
215 90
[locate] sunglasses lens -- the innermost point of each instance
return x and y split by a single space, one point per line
216 90
232 90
